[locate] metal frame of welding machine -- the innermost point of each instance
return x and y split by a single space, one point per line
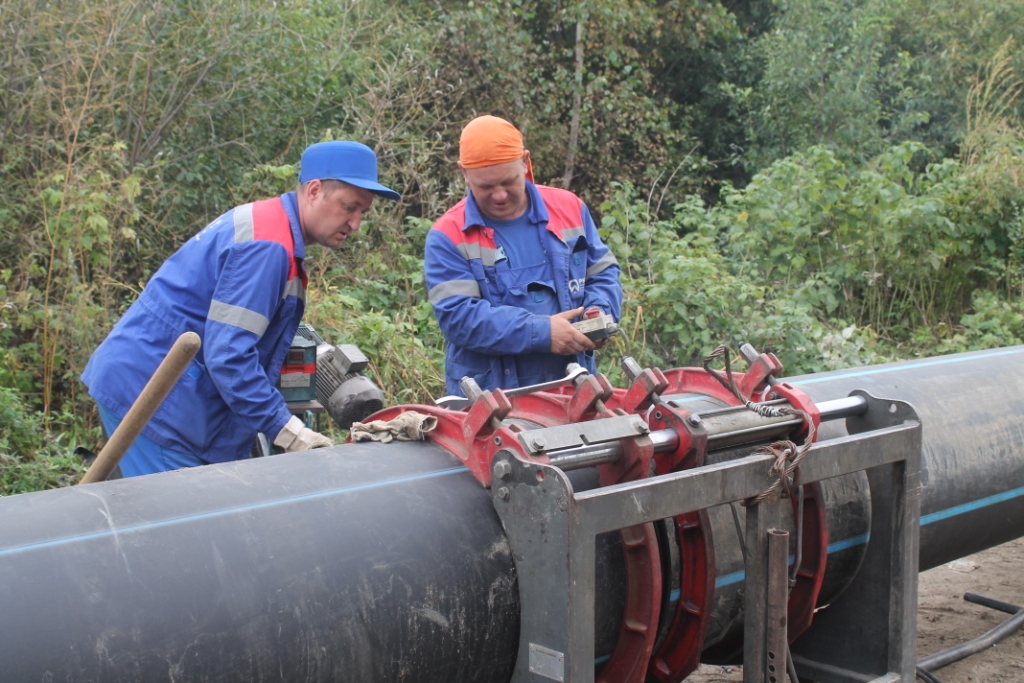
867 635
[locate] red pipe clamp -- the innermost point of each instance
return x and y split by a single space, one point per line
490 424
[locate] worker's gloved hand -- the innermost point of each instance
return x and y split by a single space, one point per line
296 436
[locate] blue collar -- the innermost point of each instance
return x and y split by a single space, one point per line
291 208
537 213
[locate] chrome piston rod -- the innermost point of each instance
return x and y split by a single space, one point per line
726 427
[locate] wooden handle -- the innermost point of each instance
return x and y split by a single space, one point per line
153 394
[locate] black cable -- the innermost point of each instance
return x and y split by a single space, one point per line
739 531
791 667
799 552
926 676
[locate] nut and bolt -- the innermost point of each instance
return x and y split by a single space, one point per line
470 388
502 470
631 368
693 419
642 428
503 493
539 442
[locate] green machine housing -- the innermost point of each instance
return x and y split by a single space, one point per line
298 374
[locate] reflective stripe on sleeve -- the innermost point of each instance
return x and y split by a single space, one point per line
243 223
229 314
444 290
603 263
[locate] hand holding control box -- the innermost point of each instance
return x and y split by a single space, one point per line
598 327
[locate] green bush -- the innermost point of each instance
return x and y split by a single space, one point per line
35 453
843 241
685 295
993 322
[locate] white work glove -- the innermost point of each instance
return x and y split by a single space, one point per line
409 426
296 436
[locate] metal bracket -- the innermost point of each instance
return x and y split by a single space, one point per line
552 531
869 632
532 500
880 413
576 434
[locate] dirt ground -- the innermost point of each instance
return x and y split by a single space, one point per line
945 619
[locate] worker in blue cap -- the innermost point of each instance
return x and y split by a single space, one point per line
240 285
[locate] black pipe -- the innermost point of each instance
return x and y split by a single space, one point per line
992 603
982 642
972 468
363 562
375 562
356 563
985 641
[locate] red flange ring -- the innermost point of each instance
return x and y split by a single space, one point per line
679 653
811 573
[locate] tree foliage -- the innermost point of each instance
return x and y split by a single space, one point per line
839 183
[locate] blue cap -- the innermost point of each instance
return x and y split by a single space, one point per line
350 162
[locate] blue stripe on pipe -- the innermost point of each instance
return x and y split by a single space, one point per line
227 511
736 577
974 505
880 371
722 581
848 543
907 366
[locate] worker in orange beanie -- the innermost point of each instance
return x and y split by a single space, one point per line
511 266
